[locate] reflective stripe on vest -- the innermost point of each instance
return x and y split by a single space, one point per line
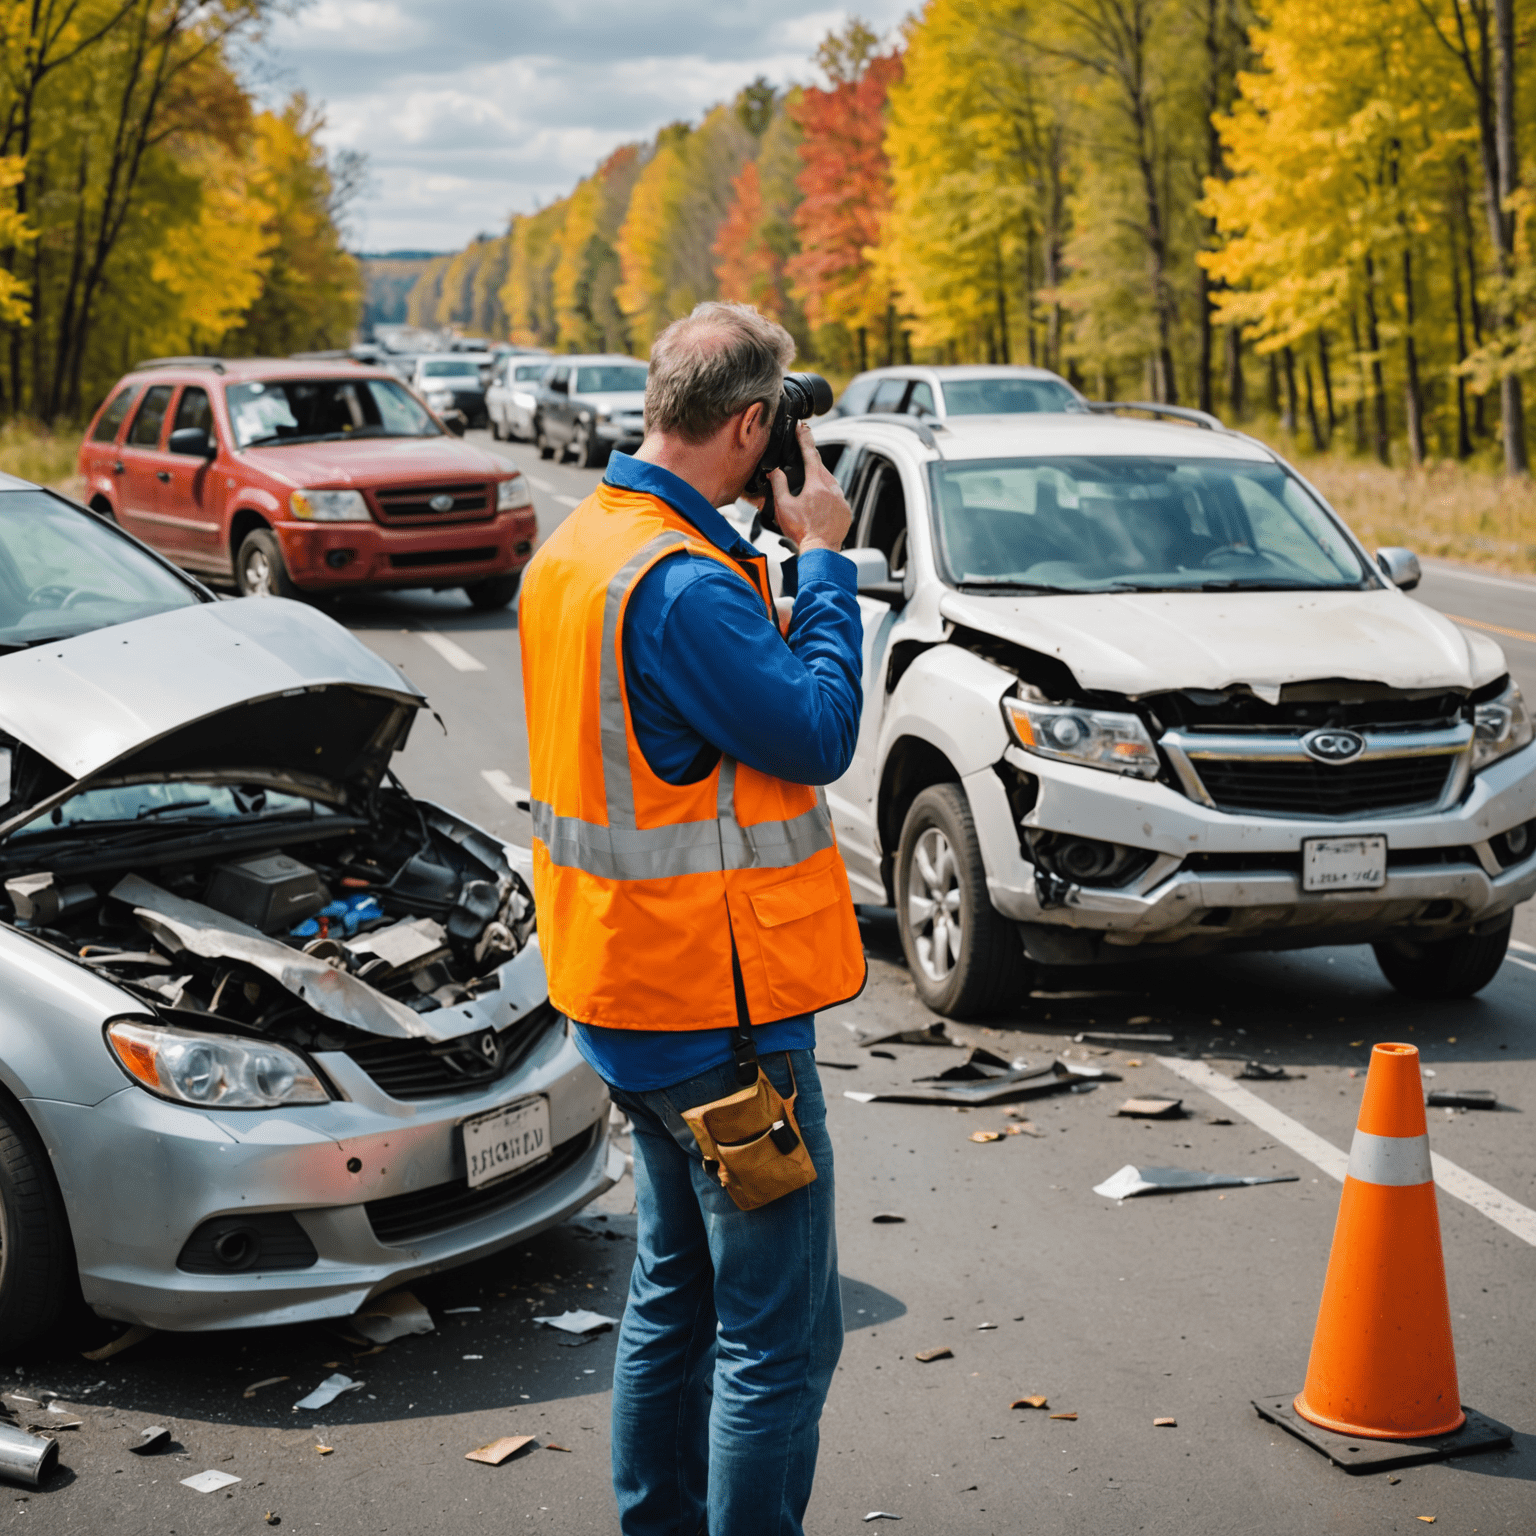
623 851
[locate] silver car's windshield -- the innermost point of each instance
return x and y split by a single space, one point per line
324 410
615 379
1097 524
1004 397
168 804
63 572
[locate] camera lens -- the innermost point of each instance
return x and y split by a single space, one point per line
807 394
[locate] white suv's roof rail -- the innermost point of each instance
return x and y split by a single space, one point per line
1177 412
923 429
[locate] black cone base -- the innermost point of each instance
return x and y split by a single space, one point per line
1355 1453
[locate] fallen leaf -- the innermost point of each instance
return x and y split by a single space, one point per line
499 1450
266 1381
553 1447
1029 1402
1360 1043
943 1352
325 1450
1071 1416
1165 1423
1133 1062
1427 1519
986 1136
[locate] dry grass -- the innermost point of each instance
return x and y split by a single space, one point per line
1449 510
37 453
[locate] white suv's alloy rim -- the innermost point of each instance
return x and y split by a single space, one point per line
933 904
258 574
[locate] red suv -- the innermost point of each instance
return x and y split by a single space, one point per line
294 479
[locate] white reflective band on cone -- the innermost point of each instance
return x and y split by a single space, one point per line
1400 1160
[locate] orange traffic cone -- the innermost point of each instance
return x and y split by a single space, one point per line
1383 1365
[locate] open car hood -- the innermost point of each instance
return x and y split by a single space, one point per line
252 684
1142 643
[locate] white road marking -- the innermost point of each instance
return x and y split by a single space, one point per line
1495 1205
455 655
536 483
568 501
1515 960
1525 949
1456 573
504 786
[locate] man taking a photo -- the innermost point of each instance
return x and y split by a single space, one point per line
693 906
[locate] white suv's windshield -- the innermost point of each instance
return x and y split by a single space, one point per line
1116 524
1004 397
320 410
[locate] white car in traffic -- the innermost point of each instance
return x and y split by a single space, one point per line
512 395
1131 689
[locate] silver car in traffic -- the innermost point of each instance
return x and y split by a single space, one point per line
274 1034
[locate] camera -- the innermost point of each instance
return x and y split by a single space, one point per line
804 395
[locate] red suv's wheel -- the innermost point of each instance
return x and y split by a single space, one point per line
259 568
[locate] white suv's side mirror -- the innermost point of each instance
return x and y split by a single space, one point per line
872 566
1400 567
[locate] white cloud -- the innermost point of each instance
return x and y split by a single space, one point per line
503 107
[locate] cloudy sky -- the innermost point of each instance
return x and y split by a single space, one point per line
474 110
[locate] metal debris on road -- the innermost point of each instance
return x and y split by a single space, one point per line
985 1136
1165 1423
1037 1401
880 1514
841 1066
933 1034
328 1391
209 1481
943 1352
985 1327
454 1311
1131 1181
1257 1069
150 1440
579 1321
1138 1037
26 1458
499 1450
392 1317
135 1335
980 1065
887 1219
1152 1109
884 1055
1009 1085
1462 1098
266 1381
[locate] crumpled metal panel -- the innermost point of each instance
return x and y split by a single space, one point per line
336 994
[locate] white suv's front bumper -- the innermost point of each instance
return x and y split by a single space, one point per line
1181 902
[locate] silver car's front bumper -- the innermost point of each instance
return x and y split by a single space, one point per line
1442 870
139 1175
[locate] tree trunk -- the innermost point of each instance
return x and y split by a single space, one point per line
1511 398
1382 444
1463 425
1237 393
1413 390
1359 411
1317 436
1288 421
1327 375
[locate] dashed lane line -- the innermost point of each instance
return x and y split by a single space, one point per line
1497 629
574 501
513 794
1516 960
455 655
1460 573
1525 949
1454 1180
536 483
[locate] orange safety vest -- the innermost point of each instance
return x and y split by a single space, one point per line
642 886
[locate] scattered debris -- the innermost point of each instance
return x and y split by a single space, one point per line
943 1352
980 1065
841 1066
1462 1098
985 1327
884 1055
54 1423
209 1481
135 1335
1152 1109
580 1321
1006 1086
150 1440
934 1034
553 1447
1110 1035
1026 1128
392 1317
1165 1423
986 1136
454 1311
326 1450
272 1519
1131 1181
26 1458
266 1381
1394 1479
499 1451
1070 1416
1264 1073
1218 1120
887 1219
1036 1401
328 1391
1427 1519
1133 1062
880 1514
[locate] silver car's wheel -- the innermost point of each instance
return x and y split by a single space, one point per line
37 1271
966 960
933 905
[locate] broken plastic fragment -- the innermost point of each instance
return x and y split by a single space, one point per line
135 1335
499 1450
209 1482
986 1136
328 1391
1257 1069
1165 1423
934 1034
392 1317
1152 1109
880 1514
155 1438
1071 1416
326 1450
887 1219
1139 1036
942 1352
1463 1098
1131 1181
454 1311
579 1321
1036 1401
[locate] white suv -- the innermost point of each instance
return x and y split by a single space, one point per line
1132 689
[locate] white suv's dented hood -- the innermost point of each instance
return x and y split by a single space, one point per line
1142 643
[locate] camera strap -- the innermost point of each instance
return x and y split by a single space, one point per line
743 1050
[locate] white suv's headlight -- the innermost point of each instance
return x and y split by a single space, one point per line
1503 725
440 399
513 494
329 506
213 1071
1096 738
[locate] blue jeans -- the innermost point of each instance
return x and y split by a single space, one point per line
733 1328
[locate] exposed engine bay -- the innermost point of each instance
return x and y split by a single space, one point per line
305 925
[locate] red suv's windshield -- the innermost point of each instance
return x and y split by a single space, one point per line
321 410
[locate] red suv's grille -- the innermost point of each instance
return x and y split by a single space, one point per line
401 502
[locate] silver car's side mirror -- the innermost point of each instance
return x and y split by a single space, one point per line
1400 567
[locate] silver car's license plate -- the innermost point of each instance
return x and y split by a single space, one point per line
505 1140
1343 863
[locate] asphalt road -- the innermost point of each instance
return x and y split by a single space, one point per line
1185 1306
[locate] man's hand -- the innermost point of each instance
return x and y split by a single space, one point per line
819 517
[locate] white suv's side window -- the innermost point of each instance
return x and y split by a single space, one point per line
882 513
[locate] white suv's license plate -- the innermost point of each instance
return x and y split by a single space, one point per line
505 1140
1343 863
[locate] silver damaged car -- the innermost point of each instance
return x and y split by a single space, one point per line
274 1035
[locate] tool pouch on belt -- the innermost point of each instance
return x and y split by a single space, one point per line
751 1141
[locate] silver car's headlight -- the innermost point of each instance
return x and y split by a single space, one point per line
513 494
1096 738
1503 725
329 506
213 1071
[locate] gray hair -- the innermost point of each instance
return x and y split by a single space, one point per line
711 364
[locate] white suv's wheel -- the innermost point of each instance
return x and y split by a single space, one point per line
965 960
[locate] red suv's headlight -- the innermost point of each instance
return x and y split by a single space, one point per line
513 494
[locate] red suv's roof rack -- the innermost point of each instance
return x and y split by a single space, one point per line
216 363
